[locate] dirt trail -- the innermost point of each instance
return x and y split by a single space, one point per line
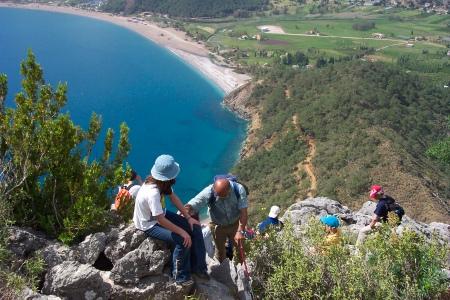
338 37
307 163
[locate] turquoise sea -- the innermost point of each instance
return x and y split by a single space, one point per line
169 107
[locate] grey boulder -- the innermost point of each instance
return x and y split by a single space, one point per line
120 241
141 262
23 241
56 253
152 287
73 280
29 294
300 212
212 289
91 247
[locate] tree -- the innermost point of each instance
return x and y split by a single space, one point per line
287 59
441 149
56 186
321 62
300 58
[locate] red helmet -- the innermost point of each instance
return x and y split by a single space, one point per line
376 190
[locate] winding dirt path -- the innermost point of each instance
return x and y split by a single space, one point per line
307 162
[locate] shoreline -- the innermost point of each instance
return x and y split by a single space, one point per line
236 87
194 54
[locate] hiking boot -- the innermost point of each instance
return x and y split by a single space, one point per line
203 276
184 282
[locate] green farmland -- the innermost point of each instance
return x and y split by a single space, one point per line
424 38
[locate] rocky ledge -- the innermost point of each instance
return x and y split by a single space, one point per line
122 263
237 101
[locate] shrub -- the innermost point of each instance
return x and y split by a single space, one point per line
56 185
441 149
297 266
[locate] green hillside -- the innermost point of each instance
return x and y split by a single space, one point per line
371 122
185 8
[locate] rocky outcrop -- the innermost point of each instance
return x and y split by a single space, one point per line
55 254
153 287
237 101
23 241
29 294
73 280
300 213
142 262
140 268
230 275
122 240
91 247
213 289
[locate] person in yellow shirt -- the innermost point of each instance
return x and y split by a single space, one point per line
332 228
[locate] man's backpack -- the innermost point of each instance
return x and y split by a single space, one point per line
123 197
232 179
395 208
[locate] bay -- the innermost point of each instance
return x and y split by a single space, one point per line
169 107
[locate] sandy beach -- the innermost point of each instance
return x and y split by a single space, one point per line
195 54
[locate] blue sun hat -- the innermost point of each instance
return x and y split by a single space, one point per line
165 168
330 220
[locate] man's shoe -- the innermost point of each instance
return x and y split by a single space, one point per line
203 276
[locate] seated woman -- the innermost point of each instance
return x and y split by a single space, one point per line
184 235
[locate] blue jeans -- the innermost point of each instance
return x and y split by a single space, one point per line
184 260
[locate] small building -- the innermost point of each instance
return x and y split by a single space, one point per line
378 35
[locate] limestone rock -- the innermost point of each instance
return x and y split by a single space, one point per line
28 294
139 263
442 229
120 242
224 273
23 242
212 289
152 287
300 212
368 208
56 253
91 247
243 284
73 280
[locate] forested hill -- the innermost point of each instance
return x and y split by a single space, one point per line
371 123
185 8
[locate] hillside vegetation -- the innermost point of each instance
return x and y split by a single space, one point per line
299 265
372 123
185 8
48 179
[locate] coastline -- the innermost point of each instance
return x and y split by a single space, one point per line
236 87
194 54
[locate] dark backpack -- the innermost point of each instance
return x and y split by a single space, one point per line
232 179
393 206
